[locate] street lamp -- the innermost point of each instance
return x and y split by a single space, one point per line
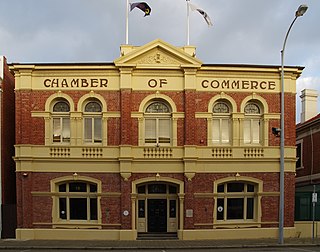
301 10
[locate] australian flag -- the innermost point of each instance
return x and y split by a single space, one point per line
142 6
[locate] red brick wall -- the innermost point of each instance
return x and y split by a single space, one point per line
38 209
124 130
8 138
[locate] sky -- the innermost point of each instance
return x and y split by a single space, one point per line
243 32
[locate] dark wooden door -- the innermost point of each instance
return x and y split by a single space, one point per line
157 215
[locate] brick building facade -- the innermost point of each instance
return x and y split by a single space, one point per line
154 143
308 158
7 138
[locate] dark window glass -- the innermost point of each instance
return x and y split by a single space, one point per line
234 208
299 155
78 209
221 188
157 188
93 107
250 202
250 188
220 209
172 189
63 208
141 206
63 188
142 189
235 187
252 108
173 209
61 107
158 107
93 188
93 209
77 187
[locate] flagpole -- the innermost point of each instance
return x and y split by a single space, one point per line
188 23
127 22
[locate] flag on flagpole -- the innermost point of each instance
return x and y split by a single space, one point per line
142 6
202 12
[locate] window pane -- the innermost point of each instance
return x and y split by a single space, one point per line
93 188
221 188
225 130
93 107
61 107
164 130
77 187
56 130
220 107
157 188
247 131
250 188
78 209
88 129
97 130
173 209
65 129
141 208
235 187
299 155
93 209
172 189
252 108
150 131
63 208
250 206
216 130
158 107
234 208
63 188
255 131
142 189
220 209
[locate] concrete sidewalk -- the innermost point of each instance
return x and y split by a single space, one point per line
151 244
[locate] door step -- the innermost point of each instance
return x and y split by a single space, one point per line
157 236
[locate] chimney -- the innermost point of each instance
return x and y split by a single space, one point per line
309 104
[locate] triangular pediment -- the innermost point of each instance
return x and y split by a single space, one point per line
158 54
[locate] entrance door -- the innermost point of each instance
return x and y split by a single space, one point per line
157 215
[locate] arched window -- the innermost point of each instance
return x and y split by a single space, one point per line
221 123
61 122
92 122
236 200
77 201
158 124
252 124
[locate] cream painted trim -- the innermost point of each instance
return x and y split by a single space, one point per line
157 95
55 204
255 97
117 234
222 96
245 179
58 95
158 178
91 95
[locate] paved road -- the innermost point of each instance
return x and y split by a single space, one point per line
266 249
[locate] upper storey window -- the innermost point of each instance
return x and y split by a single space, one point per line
158 123
93 122
252 124
221 123
61 122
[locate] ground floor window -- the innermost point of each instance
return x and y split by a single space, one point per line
236 201
78 201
